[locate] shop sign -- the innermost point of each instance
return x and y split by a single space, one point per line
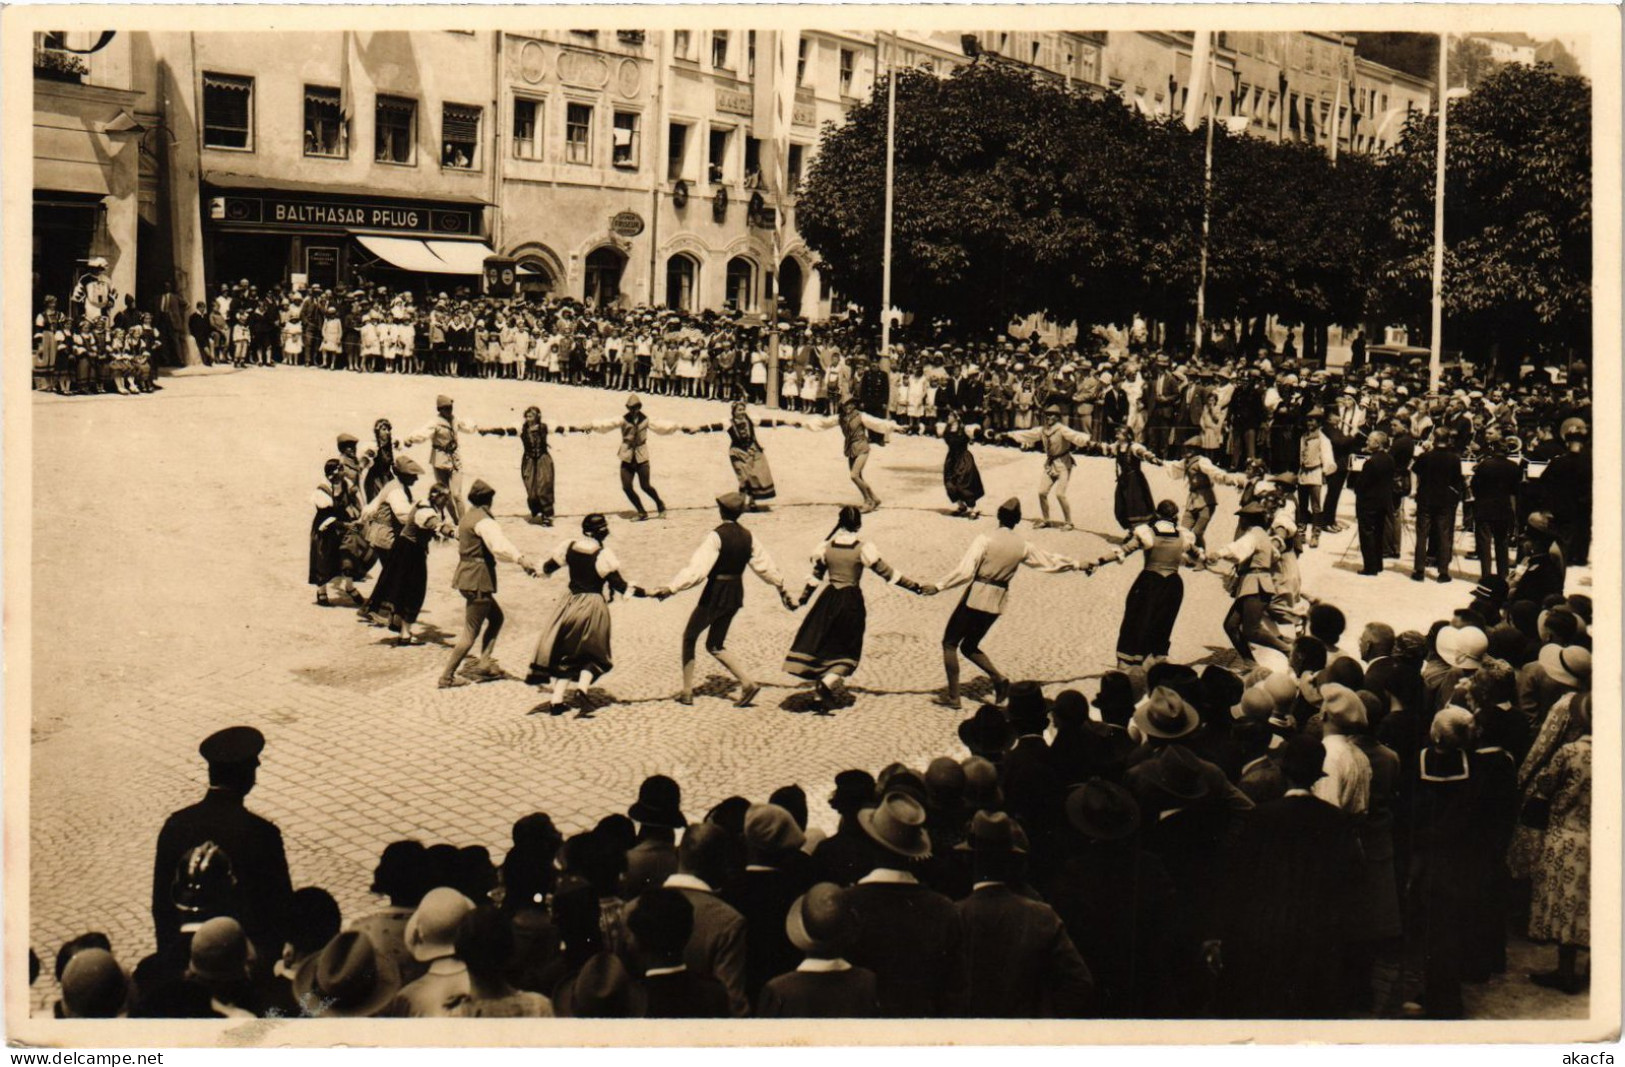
735 102
322 265
626 224
294 213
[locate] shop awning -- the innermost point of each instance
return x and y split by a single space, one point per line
460 257
407 253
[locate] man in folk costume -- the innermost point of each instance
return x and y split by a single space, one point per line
444 457
634 429
1253 585
1200 473
480 543
720 562
988 566
856 425
1316 463
350 465
1057 440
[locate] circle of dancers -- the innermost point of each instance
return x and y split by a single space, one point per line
369 510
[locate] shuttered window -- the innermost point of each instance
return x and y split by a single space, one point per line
228 111
326 133
396 123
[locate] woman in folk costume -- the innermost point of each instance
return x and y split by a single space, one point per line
405 582
960 476
535 461
748 459
384 518
830 642
379 460
1158 591
575 646
333 504
1132 505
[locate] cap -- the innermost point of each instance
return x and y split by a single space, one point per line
632 401
346 439
233 745
734 502
480 488
408 466
442 401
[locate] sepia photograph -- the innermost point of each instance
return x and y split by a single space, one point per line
847 517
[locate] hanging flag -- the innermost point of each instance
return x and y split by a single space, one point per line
346 100
1201 79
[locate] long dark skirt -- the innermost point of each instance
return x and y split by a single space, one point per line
831 636
326 553
961 478
1132 503
576 640
755 476
404 581
1149 616
537 475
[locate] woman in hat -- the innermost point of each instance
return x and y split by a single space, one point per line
960 476
1560 908
575 646
379 460
829 644
1158 591
331 500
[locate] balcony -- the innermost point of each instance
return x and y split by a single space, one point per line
56 64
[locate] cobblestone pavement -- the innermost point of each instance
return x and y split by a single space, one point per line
170 547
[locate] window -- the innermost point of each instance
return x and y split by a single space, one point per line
847 59
753 162
626 149
797 153
578 133
719 49
459 137
228 111
397 130
717 158
1274 112
741 294
1036 47
326 132
528 118
750 54
681 274
676 151
801 60
682 44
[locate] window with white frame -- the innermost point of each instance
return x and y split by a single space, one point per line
528 126
627 139
716 159
578 133
459 136
719 50
801 60
848 60
326 132
228 111
676 150
395 123
682 44
750 53
797 156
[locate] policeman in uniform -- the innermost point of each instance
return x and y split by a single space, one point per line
253 843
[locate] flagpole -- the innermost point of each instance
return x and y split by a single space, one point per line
1436 339
1207 202
1337 101
891 148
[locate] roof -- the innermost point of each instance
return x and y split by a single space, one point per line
228 180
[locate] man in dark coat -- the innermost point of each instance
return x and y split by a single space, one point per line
764 891
1440 487
1567 483
910 936
658 813
717 945
1374 501
824 985
1402 446
253 843
661 925
1020 961
1284 901
1496 481
845 856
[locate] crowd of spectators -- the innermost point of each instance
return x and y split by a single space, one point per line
1354 835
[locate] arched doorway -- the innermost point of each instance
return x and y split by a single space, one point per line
603 283
741 291
791 284
682 282
536 279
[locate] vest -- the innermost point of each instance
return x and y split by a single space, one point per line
533 439
723 589
1201 486
857 435
635 440
1166 551
988 590
476 567
584 577
1057 449
744 440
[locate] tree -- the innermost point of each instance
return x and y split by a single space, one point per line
1517 281
1470 63
1413 53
